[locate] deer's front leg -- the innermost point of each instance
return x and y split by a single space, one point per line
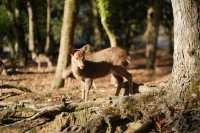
130 84
49 64
88 85
39 66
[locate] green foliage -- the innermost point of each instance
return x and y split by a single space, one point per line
126 17
104 9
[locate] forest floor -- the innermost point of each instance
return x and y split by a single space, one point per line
33 86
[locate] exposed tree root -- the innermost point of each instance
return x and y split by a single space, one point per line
9 86
112 114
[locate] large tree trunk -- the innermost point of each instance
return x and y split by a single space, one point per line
67 34
105 13
30 27
186 67
151 33
48 27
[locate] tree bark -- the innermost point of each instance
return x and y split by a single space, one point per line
67 34
19 44
106 14
48 26
186 67
30 27
22 49
96 25
151 33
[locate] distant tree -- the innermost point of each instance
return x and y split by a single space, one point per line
31 38
171 40
5 24
56 20
66 41
186 67
97 29
15 12
107 19
167 22
48 26
151 33
40 16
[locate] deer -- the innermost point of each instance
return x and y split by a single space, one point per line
114 55
2 68
41 58
86 71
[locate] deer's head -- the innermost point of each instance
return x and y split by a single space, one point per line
33 55
78 58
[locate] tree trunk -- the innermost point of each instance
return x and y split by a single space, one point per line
1 47
13 35
151 33
48 27
96 25
30 27
186 67
171 41
19 43
106 14
67 34
22 49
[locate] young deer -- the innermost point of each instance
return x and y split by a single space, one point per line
113 55
41 58
86 70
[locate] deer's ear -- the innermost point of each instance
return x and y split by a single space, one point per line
74 50
86 48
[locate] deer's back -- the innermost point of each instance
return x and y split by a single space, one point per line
114 55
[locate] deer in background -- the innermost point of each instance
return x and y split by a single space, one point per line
2 68
86 71
41 58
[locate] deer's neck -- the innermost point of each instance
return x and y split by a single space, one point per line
77 72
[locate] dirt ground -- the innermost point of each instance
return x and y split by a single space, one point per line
39 82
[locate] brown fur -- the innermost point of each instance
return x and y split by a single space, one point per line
114 55
86 70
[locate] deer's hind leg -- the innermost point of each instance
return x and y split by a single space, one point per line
122 72
119 81
49 63
88 85
39 66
